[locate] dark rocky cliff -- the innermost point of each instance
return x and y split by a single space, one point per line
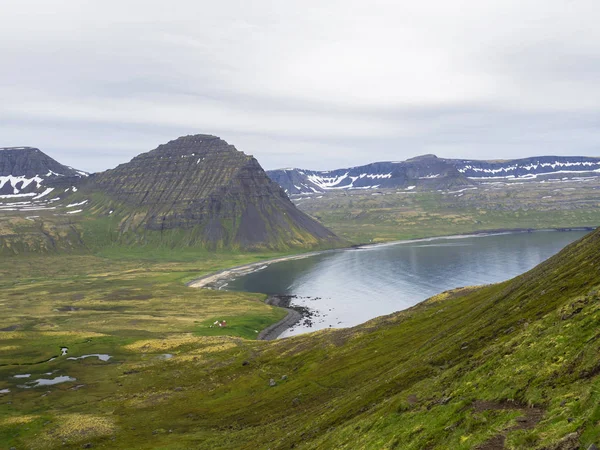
204 189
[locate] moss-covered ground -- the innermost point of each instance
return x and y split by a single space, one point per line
515 363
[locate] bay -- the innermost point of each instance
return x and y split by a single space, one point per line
348 287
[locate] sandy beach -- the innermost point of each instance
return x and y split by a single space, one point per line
214 279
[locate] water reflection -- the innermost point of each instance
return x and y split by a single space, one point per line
357 285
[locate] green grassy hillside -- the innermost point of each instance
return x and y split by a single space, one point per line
387 214
511 365
100 228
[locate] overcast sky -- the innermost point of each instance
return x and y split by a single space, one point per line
314 83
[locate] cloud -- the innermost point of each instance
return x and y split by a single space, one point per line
309 84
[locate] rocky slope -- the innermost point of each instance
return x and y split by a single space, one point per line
29 172
205 190
431 172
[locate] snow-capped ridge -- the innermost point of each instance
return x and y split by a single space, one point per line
430 171
529 168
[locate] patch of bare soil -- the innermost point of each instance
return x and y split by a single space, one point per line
529 419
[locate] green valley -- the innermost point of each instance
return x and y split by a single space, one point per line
515 361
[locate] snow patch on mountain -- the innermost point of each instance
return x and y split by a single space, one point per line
431 172
483 169
72 205
18 183
43 194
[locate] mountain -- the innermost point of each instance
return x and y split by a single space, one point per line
27 172
430 172
528 168
202 191
426 170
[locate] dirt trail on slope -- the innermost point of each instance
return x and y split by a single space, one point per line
529 419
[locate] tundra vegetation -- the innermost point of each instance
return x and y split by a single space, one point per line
514 363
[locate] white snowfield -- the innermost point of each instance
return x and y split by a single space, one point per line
43 194
38 202
13 181
460 190
18 195
334 182
72 205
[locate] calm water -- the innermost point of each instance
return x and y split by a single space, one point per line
356 285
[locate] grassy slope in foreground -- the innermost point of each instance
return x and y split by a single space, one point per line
452 372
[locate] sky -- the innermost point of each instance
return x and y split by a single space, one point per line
312 84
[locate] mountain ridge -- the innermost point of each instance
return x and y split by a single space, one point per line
430 172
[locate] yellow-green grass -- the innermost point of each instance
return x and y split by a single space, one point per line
406 381
56 298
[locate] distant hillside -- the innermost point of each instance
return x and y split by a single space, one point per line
202 191
528 168
431 172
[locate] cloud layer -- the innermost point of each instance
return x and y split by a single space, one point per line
302 83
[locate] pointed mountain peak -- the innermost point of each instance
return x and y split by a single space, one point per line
203 187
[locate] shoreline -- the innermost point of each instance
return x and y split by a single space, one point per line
482 233
272 332
275 330
245 269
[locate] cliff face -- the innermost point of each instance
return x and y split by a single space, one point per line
216 195
26 171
